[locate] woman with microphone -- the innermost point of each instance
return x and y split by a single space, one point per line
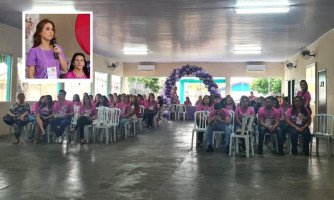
45 59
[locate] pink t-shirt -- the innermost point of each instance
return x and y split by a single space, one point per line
142 102
223 114
63 108
202 107
90 112
198 102
299 119
77 103
71 75
240 113
270 117
34 108
125 107
306 97
188 103
229 107
152 105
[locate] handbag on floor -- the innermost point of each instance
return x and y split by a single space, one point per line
8 119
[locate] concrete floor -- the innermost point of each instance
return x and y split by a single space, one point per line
157 165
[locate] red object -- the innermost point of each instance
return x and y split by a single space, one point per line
82 32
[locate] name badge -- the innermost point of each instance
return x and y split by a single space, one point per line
299 120
52 72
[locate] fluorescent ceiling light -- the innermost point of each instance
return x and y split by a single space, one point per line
261 9
136 52
247 50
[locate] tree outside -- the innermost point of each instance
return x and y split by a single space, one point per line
267 85
141 84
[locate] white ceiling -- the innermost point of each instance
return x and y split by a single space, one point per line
191 30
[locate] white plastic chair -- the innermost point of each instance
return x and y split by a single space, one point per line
104 118
246 133
173 110
322 128
181 110
217 135
202 118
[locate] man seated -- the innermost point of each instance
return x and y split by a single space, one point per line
219 120
269 118
63 111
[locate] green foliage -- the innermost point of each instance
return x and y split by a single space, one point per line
151 83
267 85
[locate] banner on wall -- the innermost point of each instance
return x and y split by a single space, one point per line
31 20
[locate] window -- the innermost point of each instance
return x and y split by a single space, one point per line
5 65
101 83
34 91
77 88
261 86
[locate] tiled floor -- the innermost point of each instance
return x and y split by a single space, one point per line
157 165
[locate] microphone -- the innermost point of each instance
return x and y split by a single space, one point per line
53 43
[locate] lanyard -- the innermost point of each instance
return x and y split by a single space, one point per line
47 64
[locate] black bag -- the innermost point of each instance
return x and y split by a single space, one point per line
9 120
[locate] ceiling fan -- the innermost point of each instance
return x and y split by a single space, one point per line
113 66
289 65
305 53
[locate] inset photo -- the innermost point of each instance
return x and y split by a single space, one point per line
57 46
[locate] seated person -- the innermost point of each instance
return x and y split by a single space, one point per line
126 111
86 114
19 111
219 120
205 105
187 102
63 111
269 118
241 111
76 100
43 116
299 119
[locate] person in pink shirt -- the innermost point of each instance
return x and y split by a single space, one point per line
299 119
86 114
43 116
111 103
268 119
230 105
151 110
78 68
251 97
63 111
96 99
305 94
187 102
126 111
199 101
205 105
219 120
76 101
242 110
135 107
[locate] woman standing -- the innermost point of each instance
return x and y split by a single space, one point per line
45 59
78 68
305 94
298 119
151 110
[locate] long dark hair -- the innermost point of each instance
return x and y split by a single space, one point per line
306 89
85 68
105 102
39 29
294 108
210 102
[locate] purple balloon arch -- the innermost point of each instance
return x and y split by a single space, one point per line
178 73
